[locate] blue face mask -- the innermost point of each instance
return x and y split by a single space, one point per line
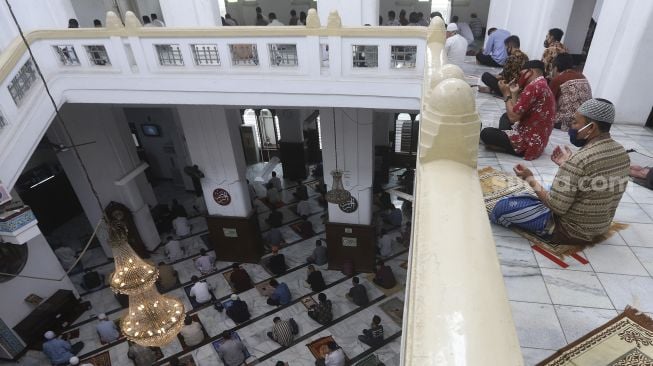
573 137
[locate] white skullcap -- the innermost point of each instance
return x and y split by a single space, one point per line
234 297
102 316
74 360
452 27
49 335
598 110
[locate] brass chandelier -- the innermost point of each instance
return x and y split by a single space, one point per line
337 194
153 319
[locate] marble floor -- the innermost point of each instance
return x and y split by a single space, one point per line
349 319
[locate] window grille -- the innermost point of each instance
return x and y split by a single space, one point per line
22 82
365 56
283 55
403 57
169 55
97 55
243 54
67 55
206 54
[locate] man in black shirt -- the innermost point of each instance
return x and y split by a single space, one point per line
315 279
277 263
358 293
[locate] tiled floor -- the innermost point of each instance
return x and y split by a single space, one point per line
349 319
553 306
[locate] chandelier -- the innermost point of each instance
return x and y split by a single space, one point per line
338 194
153 319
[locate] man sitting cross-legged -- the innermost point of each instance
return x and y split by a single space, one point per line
579 208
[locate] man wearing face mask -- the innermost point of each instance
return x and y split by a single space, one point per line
554 47
579 208
525 128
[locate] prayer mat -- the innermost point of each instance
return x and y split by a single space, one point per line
497 185
195 318
73 334
308 302
187 361
264 288
194 303
319 348
297 228
227 277
386 291
370 360
102 359
394 308
626 340
270 205
234 335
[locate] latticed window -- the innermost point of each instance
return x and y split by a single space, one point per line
365 56
243 54
3 122
97 55
67 55
169 55
283 55
22 82
206 54
403 57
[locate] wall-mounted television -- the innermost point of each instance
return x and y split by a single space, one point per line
151 130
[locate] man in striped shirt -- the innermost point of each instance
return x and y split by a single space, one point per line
373 336
587 188
282 332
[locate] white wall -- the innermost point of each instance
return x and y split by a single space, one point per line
480 7
87 10
245 12
579 22
619 60
190 13
41 262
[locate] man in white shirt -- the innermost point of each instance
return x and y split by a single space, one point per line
303 208
392 21
156 22
455 45
276 181
385 244
463 29
335 357
273 20
204 263
200 290
180 224
173 249
191 332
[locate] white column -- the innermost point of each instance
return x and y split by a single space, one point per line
109 160
353 136
213 138
579 21
191 13
618 63
530 20
353 13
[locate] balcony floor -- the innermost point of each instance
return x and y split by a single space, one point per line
552 306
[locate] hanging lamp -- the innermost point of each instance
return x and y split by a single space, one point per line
338 194
152 319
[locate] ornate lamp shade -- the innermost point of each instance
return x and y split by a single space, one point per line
338 194
153 319
132 273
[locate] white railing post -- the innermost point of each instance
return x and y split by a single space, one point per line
457 311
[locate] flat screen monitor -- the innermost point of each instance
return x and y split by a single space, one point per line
151 130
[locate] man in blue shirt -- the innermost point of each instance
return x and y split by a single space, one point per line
59 351
494 54
281 294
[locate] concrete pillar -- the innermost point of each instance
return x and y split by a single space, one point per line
353 13
383 123
191 13
112 165
213 138
619 58
579 21
355 154
530 20
290 125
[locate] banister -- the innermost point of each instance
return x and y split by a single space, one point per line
457 311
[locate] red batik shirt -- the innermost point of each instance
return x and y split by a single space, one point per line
537 106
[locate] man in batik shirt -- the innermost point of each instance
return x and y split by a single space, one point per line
525 128
516 59
553 47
